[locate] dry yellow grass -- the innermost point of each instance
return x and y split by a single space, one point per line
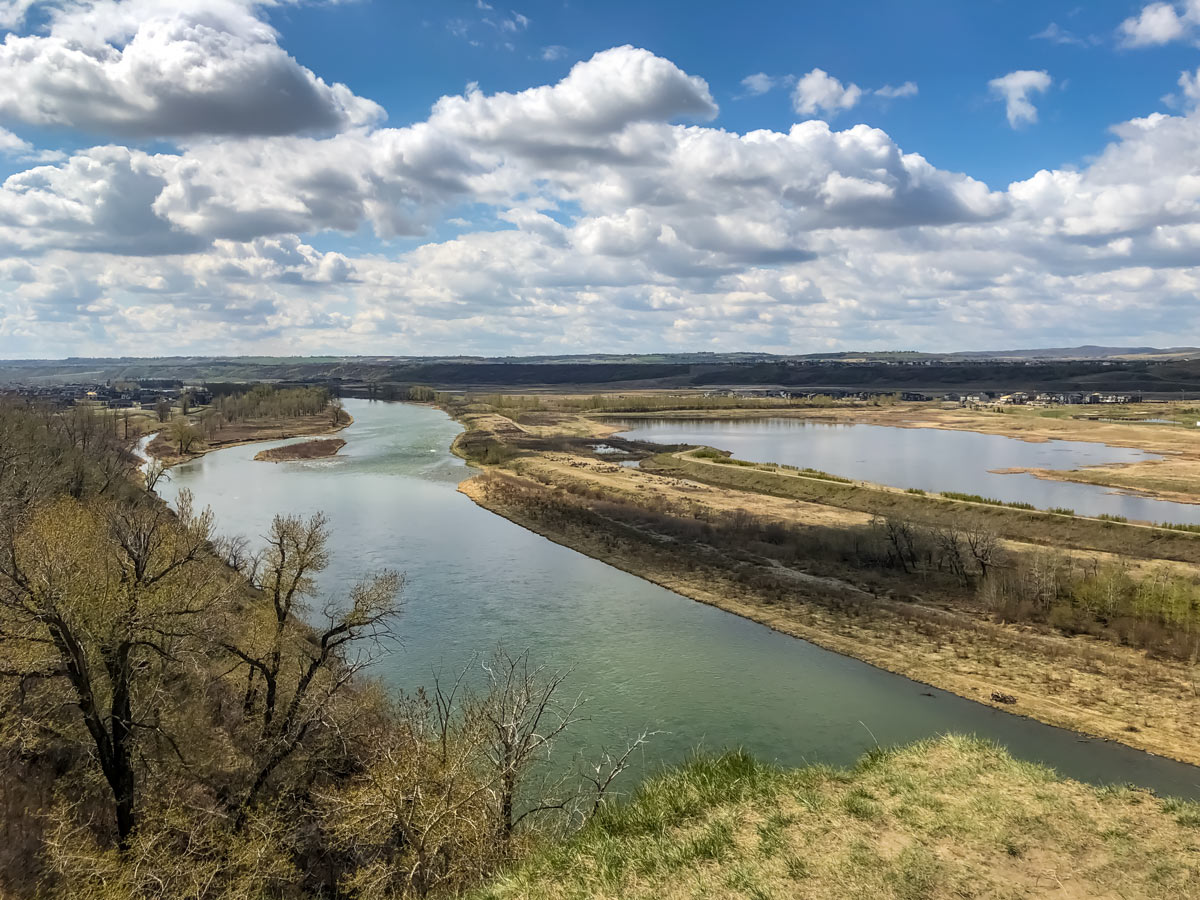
949 818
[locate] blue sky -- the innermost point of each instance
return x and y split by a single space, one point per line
379 177
406 55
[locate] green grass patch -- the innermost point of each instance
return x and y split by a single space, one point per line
940 819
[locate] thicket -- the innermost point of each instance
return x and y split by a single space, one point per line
181 718
265 401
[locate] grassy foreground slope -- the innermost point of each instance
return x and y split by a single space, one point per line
952 817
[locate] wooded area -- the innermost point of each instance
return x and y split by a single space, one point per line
180 718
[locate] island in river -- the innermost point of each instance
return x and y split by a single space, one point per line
318 449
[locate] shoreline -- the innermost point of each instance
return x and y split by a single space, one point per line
1039 429
886 641
177 459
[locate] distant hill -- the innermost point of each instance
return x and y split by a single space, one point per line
1088 351
1091 368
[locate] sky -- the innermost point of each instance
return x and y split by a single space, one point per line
309 177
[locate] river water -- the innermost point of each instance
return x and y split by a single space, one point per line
931 459
645 657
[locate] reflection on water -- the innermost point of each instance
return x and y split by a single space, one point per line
646 658
931 459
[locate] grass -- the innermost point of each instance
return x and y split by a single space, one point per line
1178 526
1019 522
951 817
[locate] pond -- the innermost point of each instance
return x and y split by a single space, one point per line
931 459
645 657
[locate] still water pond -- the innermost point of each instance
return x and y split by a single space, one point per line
646 657
927 458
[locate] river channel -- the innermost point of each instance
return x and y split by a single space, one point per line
932 459
645 657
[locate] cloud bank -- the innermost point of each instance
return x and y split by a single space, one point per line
603 211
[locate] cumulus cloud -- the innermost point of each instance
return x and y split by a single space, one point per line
626 225
1157 23
1014 89
11 145
168 68
820 92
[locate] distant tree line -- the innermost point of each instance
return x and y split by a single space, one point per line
266 401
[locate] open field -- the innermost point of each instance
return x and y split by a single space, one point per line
940 819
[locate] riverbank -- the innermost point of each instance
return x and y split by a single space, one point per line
946 818
1088 686
252 432
319 449
1176 479
652 521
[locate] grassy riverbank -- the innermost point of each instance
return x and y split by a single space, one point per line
1114 692
939 819
809 556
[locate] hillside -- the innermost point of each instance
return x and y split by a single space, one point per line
1136 371
953 817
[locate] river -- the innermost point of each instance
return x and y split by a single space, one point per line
645 657
932 459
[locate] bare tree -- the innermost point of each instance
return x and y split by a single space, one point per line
985 548
293 671
949 540
100 594
523 715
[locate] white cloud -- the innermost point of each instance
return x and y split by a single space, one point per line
1014 89
818 91
168 68
1189 84
11 145
758 84
890 92
554 52
1157 23
623 228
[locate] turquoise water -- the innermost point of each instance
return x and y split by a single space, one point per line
644 657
